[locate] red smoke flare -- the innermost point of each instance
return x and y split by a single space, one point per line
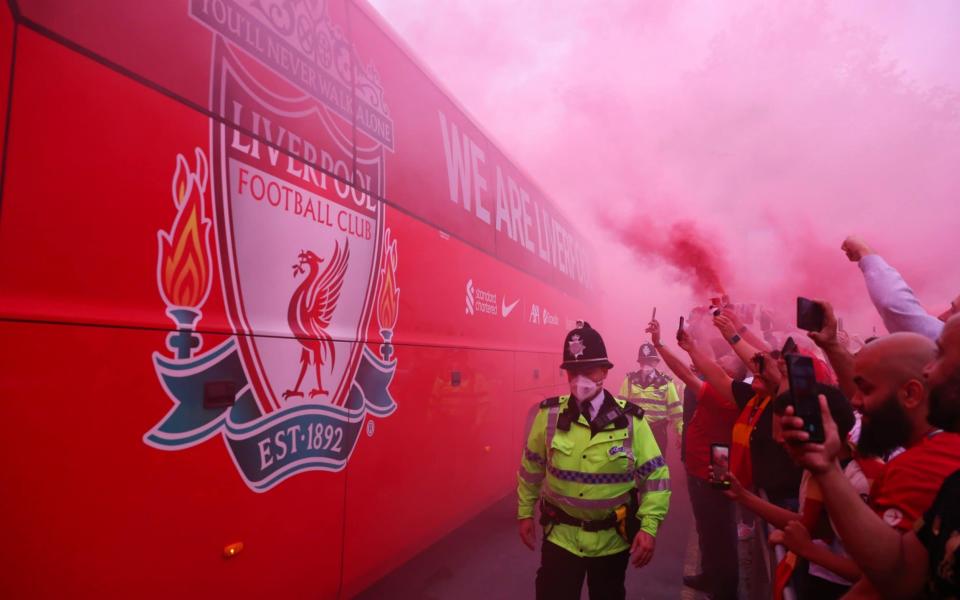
681 245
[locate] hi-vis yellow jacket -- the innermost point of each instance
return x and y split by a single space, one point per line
588 475
656 395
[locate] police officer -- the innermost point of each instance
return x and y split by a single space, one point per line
656 394
603 486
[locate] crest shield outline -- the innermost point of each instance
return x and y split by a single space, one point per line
320 434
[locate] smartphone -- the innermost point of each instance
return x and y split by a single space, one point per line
803 394
720 461
810 314
680 329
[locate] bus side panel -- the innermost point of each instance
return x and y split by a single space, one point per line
447 169
171 44
78 243
88 186
6 63
89 509
435 463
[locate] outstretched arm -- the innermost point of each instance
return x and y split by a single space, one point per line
714 375
673 362
745 332
744 349
895 301
769 512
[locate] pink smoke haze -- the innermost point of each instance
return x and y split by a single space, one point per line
696 142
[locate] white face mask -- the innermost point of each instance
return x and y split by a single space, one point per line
583 388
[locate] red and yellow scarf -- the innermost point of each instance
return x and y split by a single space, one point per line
740 464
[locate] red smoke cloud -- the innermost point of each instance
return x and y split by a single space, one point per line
680 245
774 130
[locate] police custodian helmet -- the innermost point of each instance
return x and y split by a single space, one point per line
647 352
584 348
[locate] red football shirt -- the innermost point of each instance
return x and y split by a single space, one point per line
910 482
711 423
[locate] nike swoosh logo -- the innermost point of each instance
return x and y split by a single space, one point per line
506 310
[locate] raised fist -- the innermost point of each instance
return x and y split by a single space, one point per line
855 248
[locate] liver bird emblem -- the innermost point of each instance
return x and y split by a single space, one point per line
311 310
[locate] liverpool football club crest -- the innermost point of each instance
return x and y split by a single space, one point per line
279 217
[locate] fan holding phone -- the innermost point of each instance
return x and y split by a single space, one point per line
711 422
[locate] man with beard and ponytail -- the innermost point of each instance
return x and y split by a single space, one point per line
909 559
602 484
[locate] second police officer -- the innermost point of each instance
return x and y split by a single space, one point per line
656 394
603 487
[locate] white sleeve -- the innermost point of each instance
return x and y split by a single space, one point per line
895 301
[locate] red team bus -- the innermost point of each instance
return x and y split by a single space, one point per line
274 308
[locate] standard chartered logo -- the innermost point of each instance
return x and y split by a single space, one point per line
479 300
470 305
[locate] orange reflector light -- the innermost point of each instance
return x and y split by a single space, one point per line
232 550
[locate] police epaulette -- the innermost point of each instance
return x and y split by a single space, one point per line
632 409
549 402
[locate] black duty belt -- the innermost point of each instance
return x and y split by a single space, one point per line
553 513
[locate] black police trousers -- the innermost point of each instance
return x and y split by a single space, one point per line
560 576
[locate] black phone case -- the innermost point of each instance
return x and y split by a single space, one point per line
810 315
803 395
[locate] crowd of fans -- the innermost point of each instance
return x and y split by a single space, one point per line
872 509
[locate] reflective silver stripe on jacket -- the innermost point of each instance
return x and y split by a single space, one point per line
551 428
655 485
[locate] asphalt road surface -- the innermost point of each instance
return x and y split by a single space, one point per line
484 559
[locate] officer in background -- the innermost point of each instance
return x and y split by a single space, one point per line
592 462
656 394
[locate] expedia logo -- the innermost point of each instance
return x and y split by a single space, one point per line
303 256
